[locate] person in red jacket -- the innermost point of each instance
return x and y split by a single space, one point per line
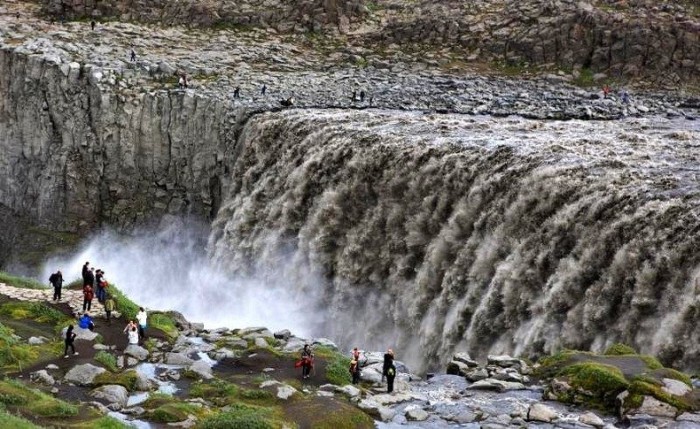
88 295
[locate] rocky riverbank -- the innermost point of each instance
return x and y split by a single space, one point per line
197 377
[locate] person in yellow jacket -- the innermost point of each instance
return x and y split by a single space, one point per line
109 307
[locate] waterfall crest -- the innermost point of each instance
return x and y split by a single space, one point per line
441 233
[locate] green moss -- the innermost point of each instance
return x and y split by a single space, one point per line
337 370
619 349
21 282
602 382
241 417
128 379
13 353
107 359
345 419
173 412
51 407
651 362
123 304
164 323
638 389
217 391
105 422
256 394
36 311
673 374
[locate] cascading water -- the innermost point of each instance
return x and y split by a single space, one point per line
441 233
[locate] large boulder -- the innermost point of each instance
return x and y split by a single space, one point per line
675 387
42 377
83 375
114 395
285 391
136 351
497 385
541 413
178 359
465 359
416 413
202 369
81 334
457 368
591 419
376 410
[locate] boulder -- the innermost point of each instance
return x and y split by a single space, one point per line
283 334
294 344
35 341
178 359
505 361
654 407
591 419
466 359
237 343
675 387
541 413
42 377
375 410
285 391
202 369
416 413
689 417
497 385
325 342
83 375
136 351
371 374
116 396
81 334
457 368
260 342
477 374
350 390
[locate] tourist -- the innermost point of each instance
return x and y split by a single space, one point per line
354 95
133 55
85 322
70 338
133 336
390 375
131 324
356 354
92 25
89 278
355 371
86 270
237 92
388 362
362 96
263 89
56 280
142 317
307 361
109 307
99 286
606 90
88 295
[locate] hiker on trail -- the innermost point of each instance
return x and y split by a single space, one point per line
354 95
99 286
92 25
625 97
388 362
133 55
133 336
355 371
89 279
85 322
390 375
362 96
263 89
109 308
142 317
131 324
86 270
88 295
606 90
307 361
70 338
56 280
237 92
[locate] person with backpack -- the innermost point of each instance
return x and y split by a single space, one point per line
56 280
388 362
85 322
88 295
109 307
307 361
70 338
355 371
100 286
390 375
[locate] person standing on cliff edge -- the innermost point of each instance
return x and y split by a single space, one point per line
388 362
86 270
56 280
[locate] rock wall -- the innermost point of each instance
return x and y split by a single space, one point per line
632 39
283 15
75 156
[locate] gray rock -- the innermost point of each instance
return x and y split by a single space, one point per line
178 359
350 390
51 366
653 407
81 334
497 385
416 413
376 410
590 419
42 377
689 417
83 375
675 387
115 396
283 334
457 368
325 342
466 359
202 369
35 341
477 374
136 351
285 391
541 413
260 342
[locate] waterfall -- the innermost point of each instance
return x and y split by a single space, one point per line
440 233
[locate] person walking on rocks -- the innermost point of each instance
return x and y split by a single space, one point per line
306 362
355 371
70 338
109 307
142 317
133 56
56 280
99 286
263 89
89 279
86 270
390 375
88 295
388 362
237 92
362 96
92 25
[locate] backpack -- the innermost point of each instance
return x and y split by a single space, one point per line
391 372
52 278
89 295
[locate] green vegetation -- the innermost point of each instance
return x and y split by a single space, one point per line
13 352
21 282
128 379
164 323
243 417
585 78
36 311
122 303
619 349
602 382
7 420
107 359
21 398
104 422
167 409
337 370
345 419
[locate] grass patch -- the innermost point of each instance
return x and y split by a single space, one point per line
585 78
345 419
107 359
104 422
639 389
7 420
36 311
173 412
128 379
243 417
337 370
21 282
13 353
25 400
651 362
164 323
619 349
122 303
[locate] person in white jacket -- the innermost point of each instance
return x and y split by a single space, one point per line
142 318
133 336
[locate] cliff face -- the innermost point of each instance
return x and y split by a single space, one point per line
74 156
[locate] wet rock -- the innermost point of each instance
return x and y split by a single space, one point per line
541 413
591 419
416 413
689 417
283 334
202 369
457 368
42 377
466 359
497 385
675 387
178 359
116 396
83 375
136 351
